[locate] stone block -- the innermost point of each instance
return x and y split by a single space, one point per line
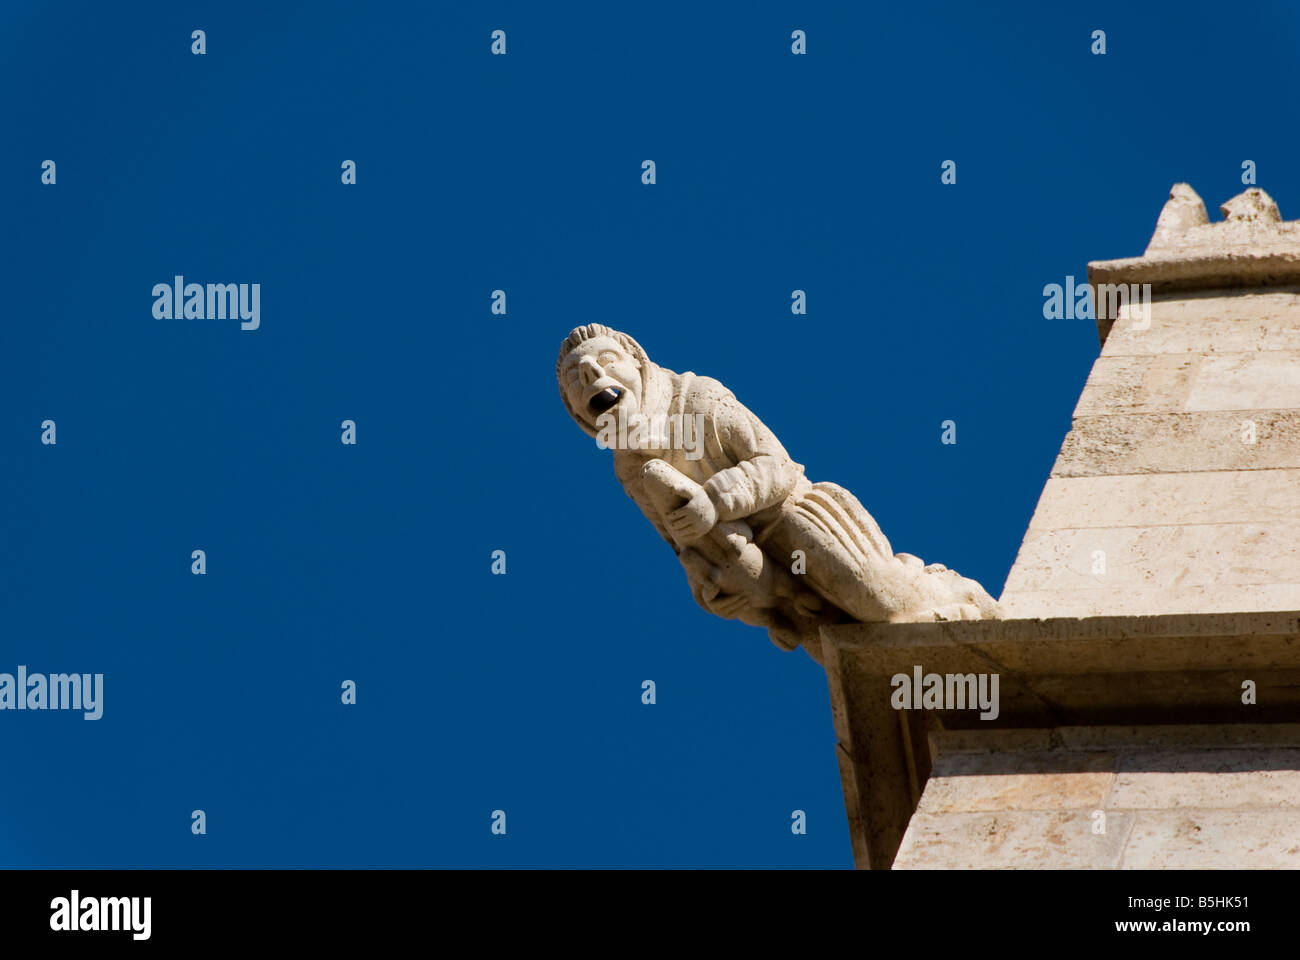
967 783
1152 500
1157 559
1198 839
1015 840
1182 383
1209 322
1210 779
1180 443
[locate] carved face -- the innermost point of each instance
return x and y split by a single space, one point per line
600 376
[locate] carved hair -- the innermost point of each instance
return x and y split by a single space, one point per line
590 332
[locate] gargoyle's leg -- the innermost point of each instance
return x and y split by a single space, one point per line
850 563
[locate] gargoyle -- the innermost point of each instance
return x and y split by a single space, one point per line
760 543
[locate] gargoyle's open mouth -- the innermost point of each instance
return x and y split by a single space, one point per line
604 400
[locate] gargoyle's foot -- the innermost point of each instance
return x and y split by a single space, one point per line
961 598
919 592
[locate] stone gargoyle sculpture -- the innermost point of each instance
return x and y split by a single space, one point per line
760 542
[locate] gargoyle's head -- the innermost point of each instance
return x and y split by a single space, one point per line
600 371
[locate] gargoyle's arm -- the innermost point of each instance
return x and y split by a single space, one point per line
629 475
764 474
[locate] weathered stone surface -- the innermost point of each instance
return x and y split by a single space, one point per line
963 783
1197 839
1160 561
1118 740
760 543
1250 206
1245 381
1230 496
1252 247
1110 797
1155 384
1176 488
1214 321
1136 740
1157 728
1181 382
1180 443
1182 211
1136 601
1220 779
1012 840
1116 646
1147 679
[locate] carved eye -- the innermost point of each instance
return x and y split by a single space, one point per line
607 357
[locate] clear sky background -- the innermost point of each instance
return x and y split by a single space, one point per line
476 172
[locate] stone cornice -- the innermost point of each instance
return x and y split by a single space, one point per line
1253 247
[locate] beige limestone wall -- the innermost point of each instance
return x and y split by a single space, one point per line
1176 493
1109 798
1177 489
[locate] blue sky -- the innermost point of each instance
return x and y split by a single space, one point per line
372 562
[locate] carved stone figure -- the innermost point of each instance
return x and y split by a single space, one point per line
759 542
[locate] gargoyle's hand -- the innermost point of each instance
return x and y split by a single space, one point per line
693 519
